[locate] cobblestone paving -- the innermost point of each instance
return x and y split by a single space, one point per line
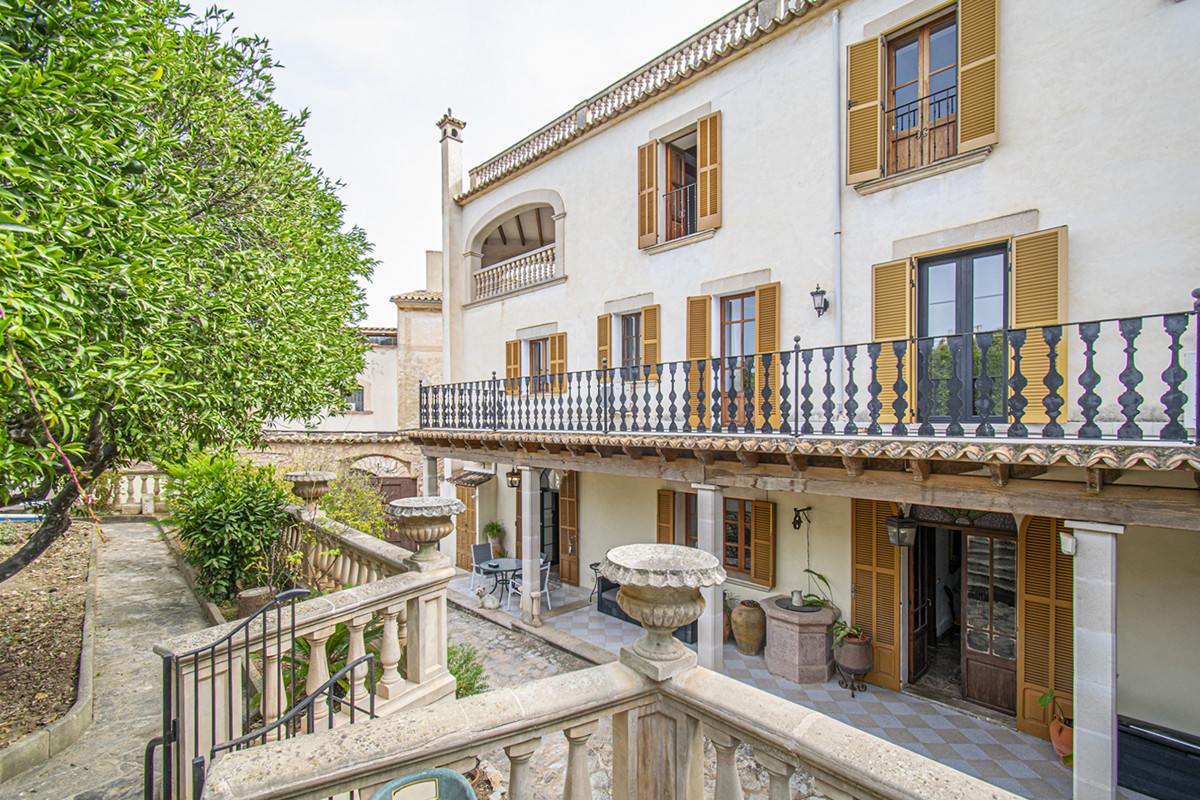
141 599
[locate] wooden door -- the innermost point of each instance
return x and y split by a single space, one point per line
464 527
393 489
568 529
922 606
875 592
989 629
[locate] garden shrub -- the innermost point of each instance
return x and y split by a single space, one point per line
226 513
354 501
466 665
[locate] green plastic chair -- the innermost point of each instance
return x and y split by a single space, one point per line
428 784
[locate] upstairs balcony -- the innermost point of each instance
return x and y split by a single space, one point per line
1107 381
528 269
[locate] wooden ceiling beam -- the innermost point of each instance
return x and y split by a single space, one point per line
1026 471
509 446
520 230
748 458
1097 477
633 452
705 457
603 451
921 469
665 454
1000 474
537 214
577 450
503 238
798 463
531 447
553 448
855 465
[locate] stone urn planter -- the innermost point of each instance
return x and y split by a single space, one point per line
310 486
660 588
749 623
426 520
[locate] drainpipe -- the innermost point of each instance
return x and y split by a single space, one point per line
839 108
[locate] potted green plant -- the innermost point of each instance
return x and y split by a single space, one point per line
814 601
1062 729
495 533
852 654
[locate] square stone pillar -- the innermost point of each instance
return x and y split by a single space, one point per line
430 486
531 544
710 630
1095 700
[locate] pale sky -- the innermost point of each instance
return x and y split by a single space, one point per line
377 75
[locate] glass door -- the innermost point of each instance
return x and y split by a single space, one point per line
989 645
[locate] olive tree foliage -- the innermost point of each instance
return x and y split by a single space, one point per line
173 270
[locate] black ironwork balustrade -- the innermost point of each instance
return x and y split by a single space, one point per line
1120 379
922 131
680 207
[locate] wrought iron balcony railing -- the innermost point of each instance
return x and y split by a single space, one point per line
922 131
1120 379
681 211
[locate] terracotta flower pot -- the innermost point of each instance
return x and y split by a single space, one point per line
749 623
853 654
1062 736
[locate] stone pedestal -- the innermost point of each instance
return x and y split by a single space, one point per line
798 641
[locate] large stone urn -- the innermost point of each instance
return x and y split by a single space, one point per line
660 588
310 486
426 521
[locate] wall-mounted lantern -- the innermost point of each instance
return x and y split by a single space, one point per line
819 302
902 531
513 478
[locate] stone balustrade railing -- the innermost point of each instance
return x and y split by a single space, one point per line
211 700
527 269
140 491
669 719
334 556
737 28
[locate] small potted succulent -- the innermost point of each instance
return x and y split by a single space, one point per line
1062 730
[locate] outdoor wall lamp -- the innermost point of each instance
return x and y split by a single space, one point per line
800 517
513 478
902 531
1067 542
819 302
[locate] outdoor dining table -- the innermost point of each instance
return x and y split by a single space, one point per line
501 570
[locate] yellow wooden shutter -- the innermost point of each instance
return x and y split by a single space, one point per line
875 593
1045 624
666 517
762 543
766 340
464 526
512 366
1038 296
698 350
517 524
650 339
892 318
708 172
648 194
864 117
568 528
558 362
603 341
978 48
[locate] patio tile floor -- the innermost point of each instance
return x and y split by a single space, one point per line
987 750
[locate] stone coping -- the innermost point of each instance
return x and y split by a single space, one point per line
373 548
38 747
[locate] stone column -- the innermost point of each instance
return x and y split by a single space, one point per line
531 542
520 787
1095 700
429 478
710 628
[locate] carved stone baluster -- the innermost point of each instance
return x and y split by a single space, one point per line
318 673
579 780
390 684
729 785
520 787
358 649
781 775
147 499
273 700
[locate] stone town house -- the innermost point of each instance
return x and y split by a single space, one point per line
826 263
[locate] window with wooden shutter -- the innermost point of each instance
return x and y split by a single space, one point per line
666 517
698 351
762 543
604 341
1045 624
978 48
875 591
650 339
512 366
766 340
648 194
708 172
558 362
568 528
864 115
892 318
1038 297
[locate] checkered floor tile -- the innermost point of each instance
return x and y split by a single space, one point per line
994 753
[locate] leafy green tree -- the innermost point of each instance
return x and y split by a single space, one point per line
173 270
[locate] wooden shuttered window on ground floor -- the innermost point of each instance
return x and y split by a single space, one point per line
568 528
1038 297
762 543
875 591
665 522
1045 624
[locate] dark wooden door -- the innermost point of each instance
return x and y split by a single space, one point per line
922 617
989 630
395 489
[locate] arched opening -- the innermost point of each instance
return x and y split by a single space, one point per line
531 229
517 245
